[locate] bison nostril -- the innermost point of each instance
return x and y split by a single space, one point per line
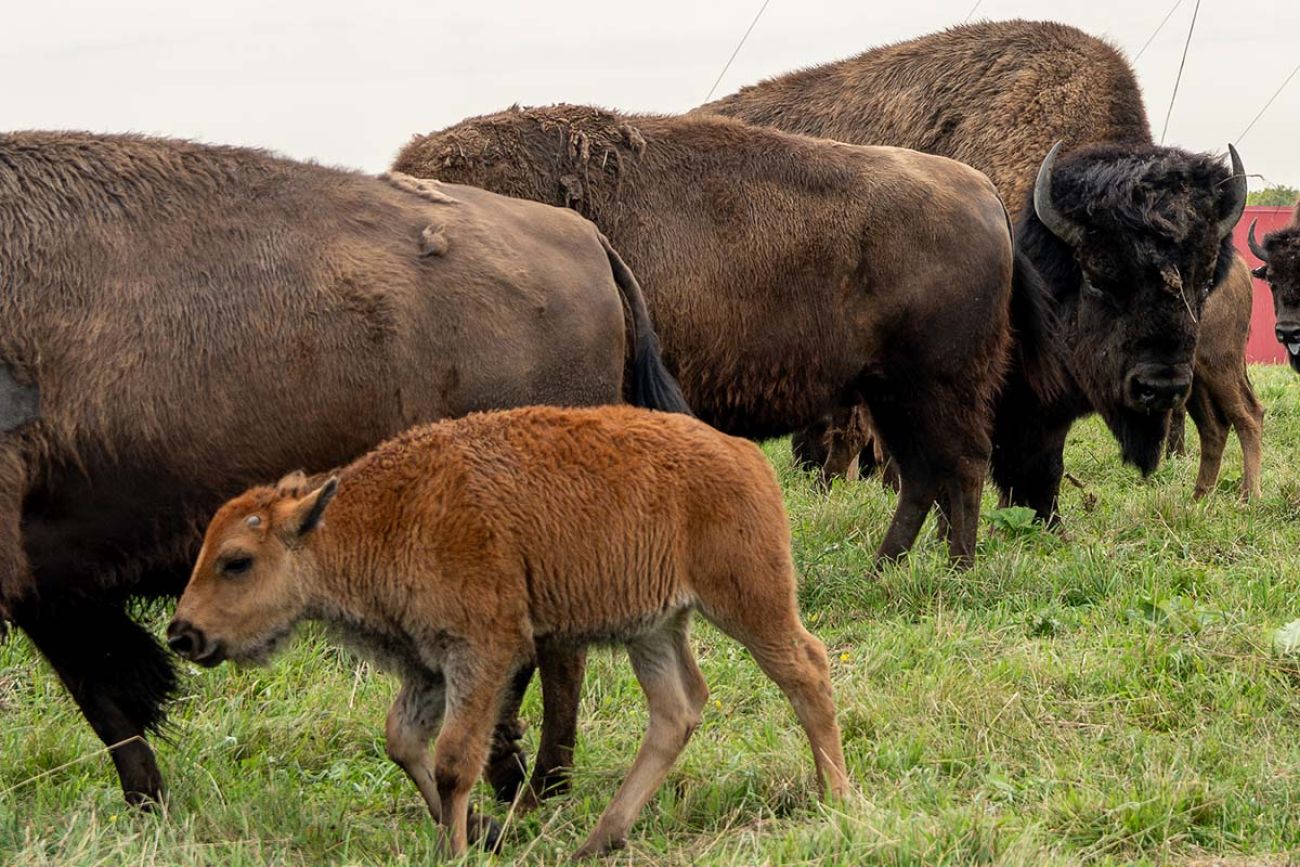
182 644
183 639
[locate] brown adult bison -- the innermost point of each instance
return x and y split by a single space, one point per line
178 321
1280 253
1130 236
788 277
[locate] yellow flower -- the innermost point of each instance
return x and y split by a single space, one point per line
844 657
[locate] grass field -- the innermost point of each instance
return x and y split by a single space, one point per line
1113 697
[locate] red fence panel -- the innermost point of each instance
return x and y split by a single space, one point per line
1262 348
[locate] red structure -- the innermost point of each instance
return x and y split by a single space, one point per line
1262 348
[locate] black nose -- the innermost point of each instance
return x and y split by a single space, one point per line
1159 387
1288 334
184 639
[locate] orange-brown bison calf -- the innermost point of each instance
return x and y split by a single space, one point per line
452 551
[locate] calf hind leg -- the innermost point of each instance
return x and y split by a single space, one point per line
796 662
676 693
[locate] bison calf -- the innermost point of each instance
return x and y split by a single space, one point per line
450 552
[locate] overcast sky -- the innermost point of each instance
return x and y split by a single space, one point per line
347 84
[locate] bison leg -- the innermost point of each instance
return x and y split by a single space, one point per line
118 675
809 446
1246 414
562 667
508 763
1212 428
1176 443
1028 463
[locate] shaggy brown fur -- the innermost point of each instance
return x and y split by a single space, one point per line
788 277
450 551
1280 251
178 321
997 95
1222 398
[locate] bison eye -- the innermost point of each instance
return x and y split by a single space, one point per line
237 565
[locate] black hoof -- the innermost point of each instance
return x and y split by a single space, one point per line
485 832
507 766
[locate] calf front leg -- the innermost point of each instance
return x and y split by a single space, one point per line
477 679
414 718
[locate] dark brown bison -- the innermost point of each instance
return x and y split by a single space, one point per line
1280 253
788 277
179 321
1130 237
539 526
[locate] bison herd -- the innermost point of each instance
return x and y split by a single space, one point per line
935 256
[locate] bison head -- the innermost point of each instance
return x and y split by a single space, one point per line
1280 253
1132 239
250 586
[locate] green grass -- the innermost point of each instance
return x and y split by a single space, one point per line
1110 698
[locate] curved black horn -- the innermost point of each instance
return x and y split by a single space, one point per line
1063 228
1255 247
1227 224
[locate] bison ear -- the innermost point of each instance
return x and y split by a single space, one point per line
1261 272
308 511
292 485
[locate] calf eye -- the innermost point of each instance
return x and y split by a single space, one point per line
237 565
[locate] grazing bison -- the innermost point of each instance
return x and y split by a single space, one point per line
1280 253
1130 236
788 277
178 321
532 527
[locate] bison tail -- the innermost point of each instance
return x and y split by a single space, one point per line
653 386
1038 339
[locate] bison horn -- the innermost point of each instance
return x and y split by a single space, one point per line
1255 247
1227 224
1063 228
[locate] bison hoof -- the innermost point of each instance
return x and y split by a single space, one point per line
553 782
485 832
506 770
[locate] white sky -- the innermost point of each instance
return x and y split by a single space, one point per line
348 83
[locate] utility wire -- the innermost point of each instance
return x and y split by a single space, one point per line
976 6
739 46
1280 88
1156 32
1190 30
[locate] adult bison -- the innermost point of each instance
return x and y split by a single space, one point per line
1280 253
1130 236
178 321
788 277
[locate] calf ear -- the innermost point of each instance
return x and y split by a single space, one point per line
308 511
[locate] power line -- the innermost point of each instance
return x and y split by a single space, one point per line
1190 30
741 44
1280 88
976 6
1156 32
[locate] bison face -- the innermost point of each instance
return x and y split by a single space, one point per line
1281 255
251 584
1139 237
